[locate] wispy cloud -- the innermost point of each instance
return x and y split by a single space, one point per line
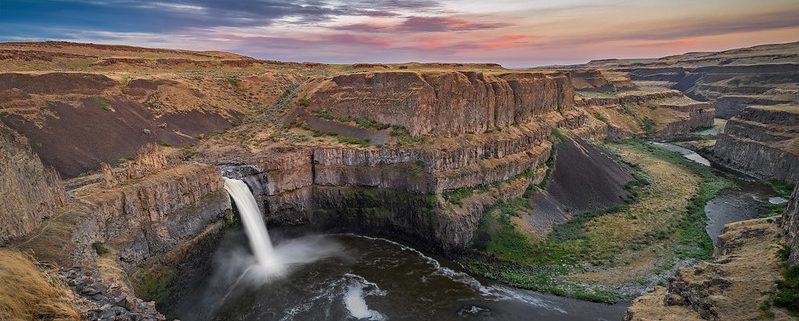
516 33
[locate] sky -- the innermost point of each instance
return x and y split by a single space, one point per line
512 33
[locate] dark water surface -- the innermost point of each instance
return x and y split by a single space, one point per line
376 279
748 201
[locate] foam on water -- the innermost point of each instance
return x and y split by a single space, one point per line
494 292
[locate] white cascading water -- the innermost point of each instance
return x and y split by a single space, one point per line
254 226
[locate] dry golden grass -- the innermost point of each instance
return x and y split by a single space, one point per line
671 189
26 293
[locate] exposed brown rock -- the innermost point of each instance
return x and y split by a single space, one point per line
790 223
762 141
730 287
31 192
442 103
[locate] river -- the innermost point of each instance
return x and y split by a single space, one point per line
374 279
749 200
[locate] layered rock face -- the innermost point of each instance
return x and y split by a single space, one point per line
730 287
442 103
790 223
600 81
732 79
486 135
143 211
31 192
762 141
659 114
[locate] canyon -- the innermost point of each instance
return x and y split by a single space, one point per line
116 158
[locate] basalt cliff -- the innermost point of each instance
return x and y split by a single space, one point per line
762 141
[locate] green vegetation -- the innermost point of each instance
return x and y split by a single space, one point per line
353 140
781 188
100 248
787 293
599 117
188 152
648 125
592 241
324 113
104 104
233 80
305 102
155 286
404 137
164 144
690 230
456 196
368 123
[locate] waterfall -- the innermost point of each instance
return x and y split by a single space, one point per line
254 226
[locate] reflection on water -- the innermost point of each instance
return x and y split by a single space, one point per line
749 200
685 152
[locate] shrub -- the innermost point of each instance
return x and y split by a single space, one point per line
352 140
233 80
104 104
100 248
648 125
599 117
324 113
305 102
787 295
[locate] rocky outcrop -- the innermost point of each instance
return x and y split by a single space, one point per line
790 223
106 301
599 81
762 141
664 114
731 287
31 192
137 216
442 103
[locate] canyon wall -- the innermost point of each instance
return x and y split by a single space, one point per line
442 103
485 135
31 192
790 223
146 209
733 86
657 114
762 141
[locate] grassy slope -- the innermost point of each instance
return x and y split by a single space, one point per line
28 294
664 223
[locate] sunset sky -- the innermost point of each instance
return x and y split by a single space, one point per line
513 33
